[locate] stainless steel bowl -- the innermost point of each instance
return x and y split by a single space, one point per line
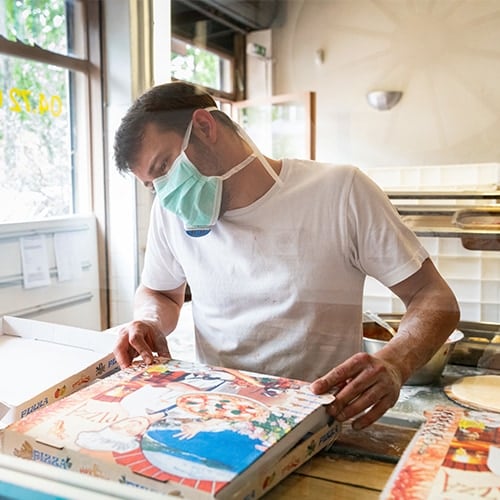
375 338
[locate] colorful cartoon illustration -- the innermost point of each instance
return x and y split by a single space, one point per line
60 391
177 421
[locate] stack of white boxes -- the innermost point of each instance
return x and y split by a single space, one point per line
473 275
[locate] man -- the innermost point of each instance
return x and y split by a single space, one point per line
275 253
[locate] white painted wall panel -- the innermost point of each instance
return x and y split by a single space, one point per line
73 301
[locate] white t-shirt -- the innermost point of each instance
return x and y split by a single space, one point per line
277 287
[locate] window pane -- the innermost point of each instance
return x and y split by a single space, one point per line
53 25
279 129
36 164
201 66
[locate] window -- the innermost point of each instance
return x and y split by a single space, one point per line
45 69
208 48
201 66
281 126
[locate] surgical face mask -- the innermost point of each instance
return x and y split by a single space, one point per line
196 198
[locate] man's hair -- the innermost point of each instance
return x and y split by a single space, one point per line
170 107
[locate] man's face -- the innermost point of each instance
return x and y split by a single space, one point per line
159 150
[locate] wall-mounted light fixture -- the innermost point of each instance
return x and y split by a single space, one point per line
319 56
383 100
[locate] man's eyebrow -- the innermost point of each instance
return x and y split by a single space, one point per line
152 166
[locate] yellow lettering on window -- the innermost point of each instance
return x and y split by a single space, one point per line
25 96
55 105
16 107
21 100
43 105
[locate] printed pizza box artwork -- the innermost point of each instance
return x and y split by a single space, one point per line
454 455
203 431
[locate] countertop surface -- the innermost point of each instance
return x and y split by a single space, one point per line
359 463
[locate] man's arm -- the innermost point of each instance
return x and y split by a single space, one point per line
155 316
432 313
370 384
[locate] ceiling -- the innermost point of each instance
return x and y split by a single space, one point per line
216 22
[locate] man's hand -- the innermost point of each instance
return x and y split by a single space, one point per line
139 338
367 386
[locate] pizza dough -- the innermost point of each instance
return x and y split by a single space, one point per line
480 392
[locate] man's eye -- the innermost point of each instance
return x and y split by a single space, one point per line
164 167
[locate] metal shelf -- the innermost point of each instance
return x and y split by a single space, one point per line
443 195
444 220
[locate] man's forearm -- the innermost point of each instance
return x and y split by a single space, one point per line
159 308
432 313
420 335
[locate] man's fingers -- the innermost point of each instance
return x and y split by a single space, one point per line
350 401
367 388
161 346
140 339
142 347
371 415
123 352
154 340
339 376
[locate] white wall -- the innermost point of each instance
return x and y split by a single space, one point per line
134 60
121 194
49 271
444 55
259 82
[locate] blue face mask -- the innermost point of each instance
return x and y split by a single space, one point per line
195 198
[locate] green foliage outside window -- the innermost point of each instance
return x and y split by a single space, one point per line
40 22
200 66
35 140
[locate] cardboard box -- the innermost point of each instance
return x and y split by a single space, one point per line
182 429
42 362
454 455
27 480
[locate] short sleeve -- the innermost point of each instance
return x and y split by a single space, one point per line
382 245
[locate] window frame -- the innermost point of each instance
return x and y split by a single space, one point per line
238 68
230 57
90 66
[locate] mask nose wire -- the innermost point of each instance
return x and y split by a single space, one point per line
185 144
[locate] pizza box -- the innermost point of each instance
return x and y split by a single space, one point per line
454 455
41 362
182 429
27 480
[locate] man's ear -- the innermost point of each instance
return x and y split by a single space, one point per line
204 126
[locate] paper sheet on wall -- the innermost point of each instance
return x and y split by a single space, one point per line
67 248
35 261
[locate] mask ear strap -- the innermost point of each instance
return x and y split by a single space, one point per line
238 167
255 149
187 136
258 154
